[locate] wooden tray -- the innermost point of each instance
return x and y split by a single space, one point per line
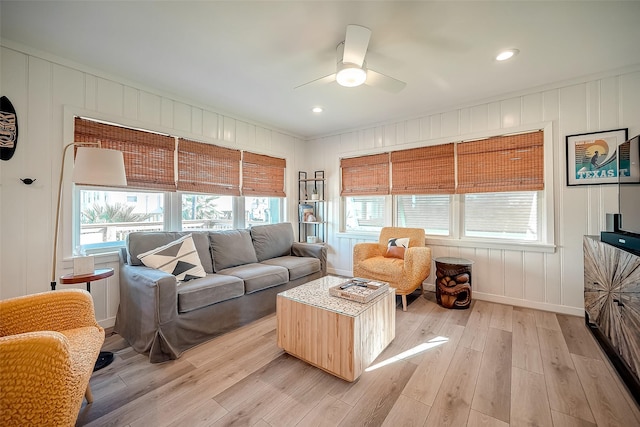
358 293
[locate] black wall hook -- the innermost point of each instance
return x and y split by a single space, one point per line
28 181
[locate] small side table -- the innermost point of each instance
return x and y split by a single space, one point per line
101 273
105 357
453 282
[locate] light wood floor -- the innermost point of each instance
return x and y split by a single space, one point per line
491 365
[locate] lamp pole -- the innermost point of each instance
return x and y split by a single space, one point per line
55 230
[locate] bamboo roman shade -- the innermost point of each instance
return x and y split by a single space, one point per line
501 163
148 157
207 168
366 175
425 170
262 175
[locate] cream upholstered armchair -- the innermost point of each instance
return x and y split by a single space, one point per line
49 343
404 269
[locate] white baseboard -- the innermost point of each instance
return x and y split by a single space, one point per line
562 309
107 323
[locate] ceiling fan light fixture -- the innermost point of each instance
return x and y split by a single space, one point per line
507 54
350 75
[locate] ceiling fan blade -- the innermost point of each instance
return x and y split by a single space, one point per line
356 43
384 82
322 80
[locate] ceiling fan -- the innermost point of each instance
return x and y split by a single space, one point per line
351 65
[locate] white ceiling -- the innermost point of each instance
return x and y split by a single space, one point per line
244 58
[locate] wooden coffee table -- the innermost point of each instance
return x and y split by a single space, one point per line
339 336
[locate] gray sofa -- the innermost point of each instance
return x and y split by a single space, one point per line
245 270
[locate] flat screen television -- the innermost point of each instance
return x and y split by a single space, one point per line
626 235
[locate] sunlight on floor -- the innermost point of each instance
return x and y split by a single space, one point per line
434 342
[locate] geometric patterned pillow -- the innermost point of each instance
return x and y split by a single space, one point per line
179 258
396 247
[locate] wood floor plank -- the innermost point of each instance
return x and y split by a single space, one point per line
501 317
461 317
453 402
474 338
529 402
304 391
249 407
546 319
526 348
205 414
563 386
478 419
608 406
329 412
564 420
423 386
579 339
376 403
407 412
261 385
475 334
480 316
493 387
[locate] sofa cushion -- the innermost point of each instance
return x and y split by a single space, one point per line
298 266
179 258
258 276
143 241
212 289
230 248
272 240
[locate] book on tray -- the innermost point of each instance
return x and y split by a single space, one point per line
359 289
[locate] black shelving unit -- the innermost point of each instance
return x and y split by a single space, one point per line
312 207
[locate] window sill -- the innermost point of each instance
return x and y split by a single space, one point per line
492 244
466 243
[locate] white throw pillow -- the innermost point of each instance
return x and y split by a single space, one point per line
179 258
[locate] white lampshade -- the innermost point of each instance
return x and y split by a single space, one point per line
350 75
99 166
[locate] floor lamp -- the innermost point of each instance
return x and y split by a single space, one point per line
93 166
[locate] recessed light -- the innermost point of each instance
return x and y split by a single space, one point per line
507 54
317 109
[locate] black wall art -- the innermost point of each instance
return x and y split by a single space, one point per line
8 129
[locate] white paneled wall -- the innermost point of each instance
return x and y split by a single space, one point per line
551 281
46 93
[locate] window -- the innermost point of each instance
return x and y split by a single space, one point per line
490 188
364 213
206 211
432 213
174 184
263 210
509 215
108 216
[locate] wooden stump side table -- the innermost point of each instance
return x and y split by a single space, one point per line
105 357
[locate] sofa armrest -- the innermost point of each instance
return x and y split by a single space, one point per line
362 251
311 250
51 311
417 263
148 300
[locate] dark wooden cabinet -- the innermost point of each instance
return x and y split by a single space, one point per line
612 306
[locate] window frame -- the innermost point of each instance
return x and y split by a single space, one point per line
546 205
172 218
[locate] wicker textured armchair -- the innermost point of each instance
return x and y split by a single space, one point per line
49 343
406 275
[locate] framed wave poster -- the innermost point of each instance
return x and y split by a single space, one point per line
592 158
